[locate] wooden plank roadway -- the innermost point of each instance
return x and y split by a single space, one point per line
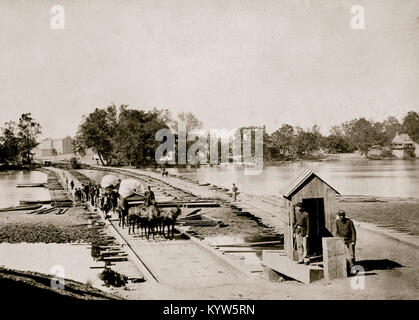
180 263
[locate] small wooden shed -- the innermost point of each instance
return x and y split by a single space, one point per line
319 200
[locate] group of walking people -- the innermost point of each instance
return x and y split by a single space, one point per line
104 198
88 193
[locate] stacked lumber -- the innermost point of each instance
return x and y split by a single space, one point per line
111 253
31 185
61 211
34 202
21 207
197 219
42 211
186 204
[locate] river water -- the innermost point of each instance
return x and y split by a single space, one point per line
64 260
10 194
385 178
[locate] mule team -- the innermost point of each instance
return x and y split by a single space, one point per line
148 218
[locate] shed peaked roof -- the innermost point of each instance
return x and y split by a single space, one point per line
299 181
401 139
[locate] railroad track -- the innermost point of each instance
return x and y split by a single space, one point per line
155 258
135 258
121 239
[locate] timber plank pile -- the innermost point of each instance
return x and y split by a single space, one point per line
21 208
185 204
196 218
189 200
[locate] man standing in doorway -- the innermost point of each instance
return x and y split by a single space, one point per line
301 233
346 230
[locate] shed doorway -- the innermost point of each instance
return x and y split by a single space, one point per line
315 210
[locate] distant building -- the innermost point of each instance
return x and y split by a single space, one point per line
375 151
403 146
68 145
47 146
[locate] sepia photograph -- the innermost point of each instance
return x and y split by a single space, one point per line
209 155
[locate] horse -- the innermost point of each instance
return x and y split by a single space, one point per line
169 220
106 206
122 209
114 200
134 218
150 218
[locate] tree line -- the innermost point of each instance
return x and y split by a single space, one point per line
127 136
121 135
358 134
18 139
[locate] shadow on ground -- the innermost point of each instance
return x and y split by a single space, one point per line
382 264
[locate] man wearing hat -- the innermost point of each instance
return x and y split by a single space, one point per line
346 230
301 233
149 197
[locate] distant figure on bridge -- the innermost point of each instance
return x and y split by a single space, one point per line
97 195
346 230
92 194
78 194
72 184
149 197
86 193
164 172
235 191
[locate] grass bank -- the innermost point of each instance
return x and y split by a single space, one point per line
401 214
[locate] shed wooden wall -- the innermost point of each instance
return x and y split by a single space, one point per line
313 189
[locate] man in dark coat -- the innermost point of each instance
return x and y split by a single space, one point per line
77 194
346 230
149 197
301 233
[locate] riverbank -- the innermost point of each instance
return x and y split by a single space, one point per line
393 213
29 285
41 242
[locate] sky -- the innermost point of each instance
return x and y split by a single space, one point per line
232 63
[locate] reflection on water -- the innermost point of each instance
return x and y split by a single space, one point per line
10 194
386 178
75 260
